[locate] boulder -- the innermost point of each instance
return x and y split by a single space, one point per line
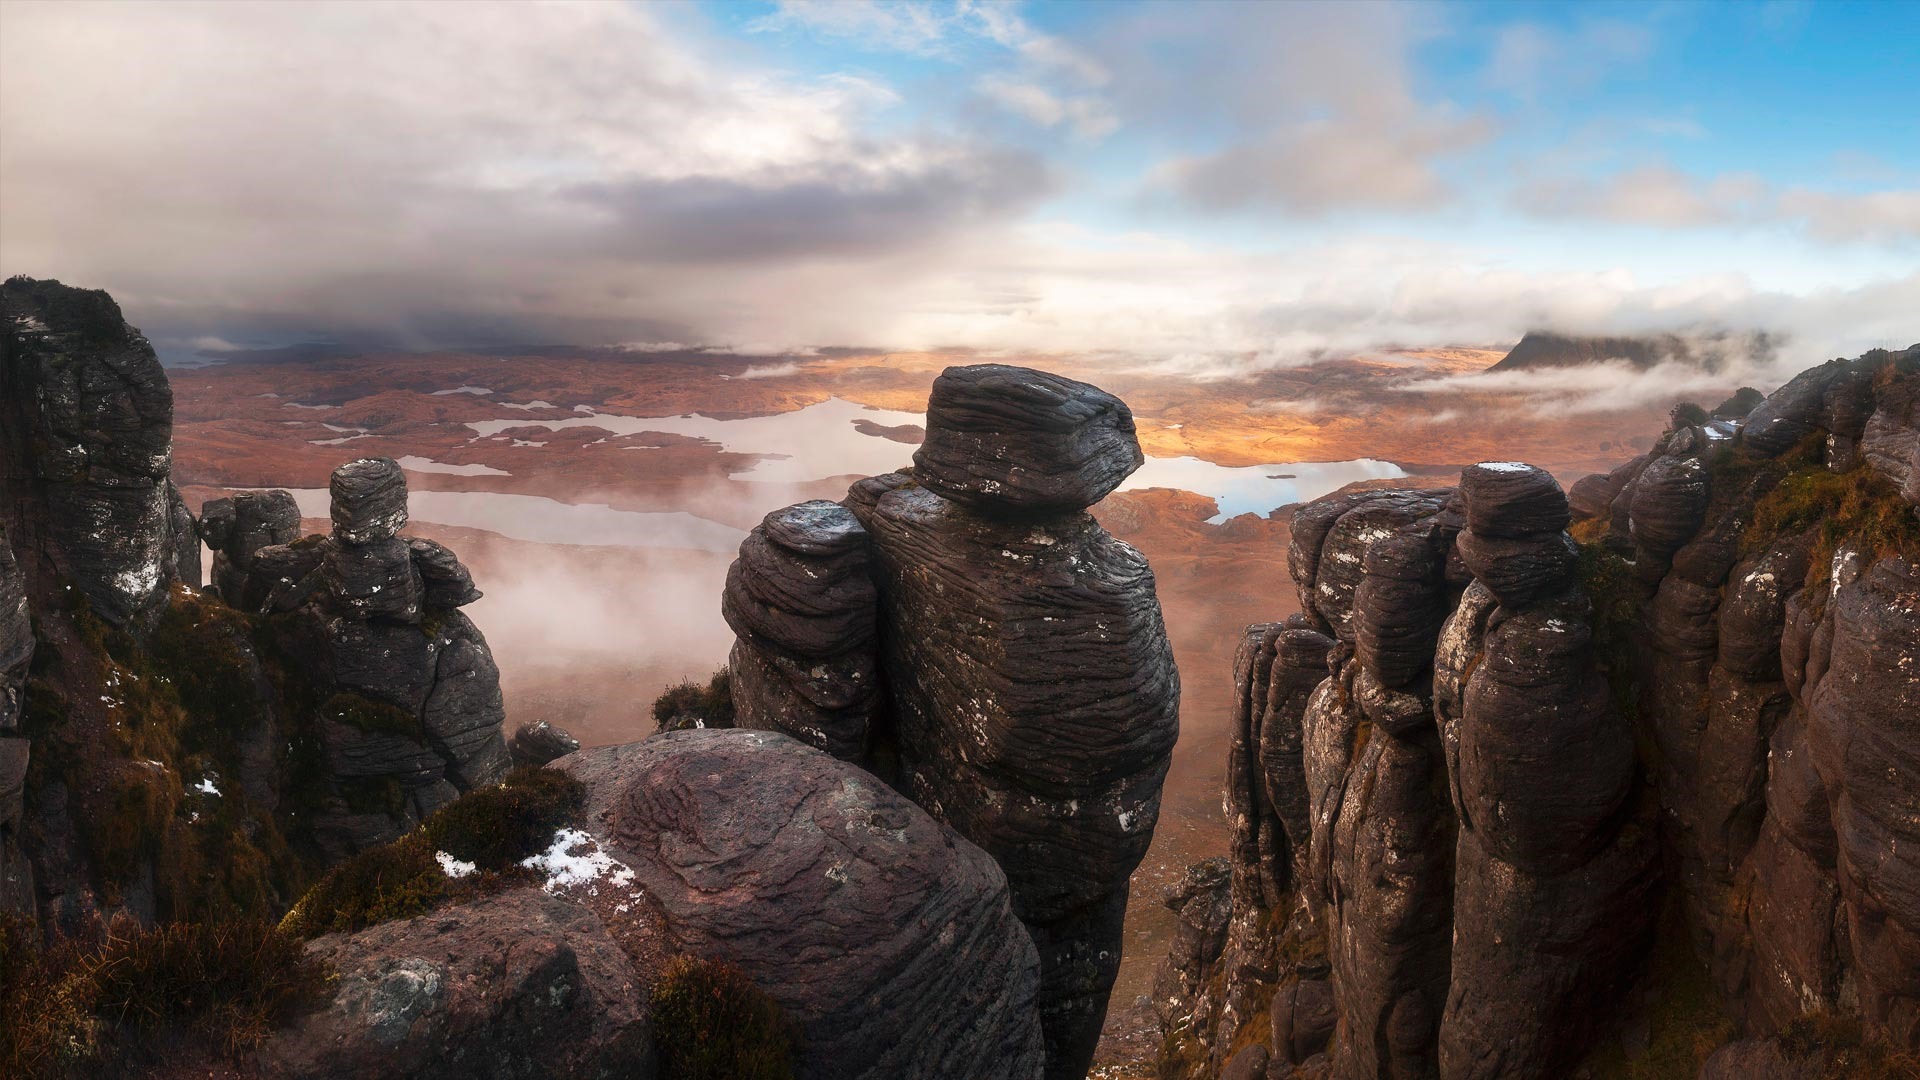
538 742
888 939
1014 441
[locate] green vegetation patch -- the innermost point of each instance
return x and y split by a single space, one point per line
129 996
1858 508
689 705
711 1023
493 828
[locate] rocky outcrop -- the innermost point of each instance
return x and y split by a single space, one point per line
87 417
888 939
1706 707
888 942
975 583
236 530
203 755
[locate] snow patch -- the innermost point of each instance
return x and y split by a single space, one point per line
452 867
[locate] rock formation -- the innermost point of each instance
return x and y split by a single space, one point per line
1708 704
801 598
200 757
886 939
87 417
1026 693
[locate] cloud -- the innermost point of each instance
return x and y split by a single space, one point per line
1318 166
898 25
1316 102
489 170
1086 116
1529 60
769 371
1663 196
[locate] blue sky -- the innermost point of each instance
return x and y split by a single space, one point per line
1238 184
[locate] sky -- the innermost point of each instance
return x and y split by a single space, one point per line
1213 188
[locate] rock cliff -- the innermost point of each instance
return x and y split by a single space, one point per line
1468 779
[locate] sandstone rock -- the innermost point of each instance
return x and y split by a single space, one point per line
463 713
447 582
369 500
802 600
1864 735
889 940
1792 412
1669 505
1890 439
1523 571
1248 1064
1512 499
87 416
515 985
1014 441
243 526
538 742
374 580
183 538
1303 1020
1058 779
290 574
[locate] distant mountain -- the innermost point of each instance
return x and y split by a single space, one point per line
1546 349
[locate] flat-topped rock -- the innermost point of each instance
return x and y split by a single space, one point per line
1512 498
1015 441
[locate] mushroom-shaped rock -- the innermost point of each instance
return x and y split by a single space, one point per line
1513 499
369 500
888 939
1015 441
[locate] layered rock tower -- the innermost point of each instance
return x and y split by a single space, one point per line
968 632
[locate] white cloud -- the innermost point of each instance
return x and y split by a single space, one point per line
1661 195
1529 60
419 170
1087 116
769 371
908 26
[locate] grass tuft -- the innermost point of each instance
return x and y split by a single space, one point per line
711 1023
690 705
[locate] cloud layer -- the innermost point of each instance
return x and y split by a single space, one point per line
1210 187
